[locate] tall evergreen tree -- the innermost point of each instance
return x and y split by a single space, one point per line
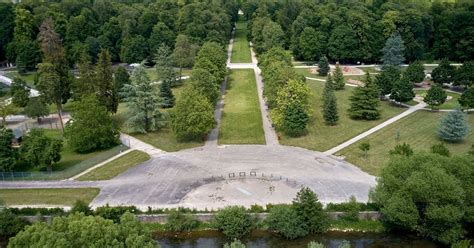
444 73
55 79
386 79
435 96
330 114
453 127
166 75
166 95
338 78
364 101
106 90
465 74
323 66
402 90
183 53
85 84
121 78
393 51
143 103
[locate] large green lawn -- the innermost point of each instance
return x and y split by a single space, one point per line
241 118
65 196
321 137
241 48
116 166
418 130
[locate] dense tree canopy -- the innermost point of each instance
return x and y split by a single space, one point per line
429 194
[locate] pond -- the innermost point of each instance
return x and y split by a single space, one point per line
262 239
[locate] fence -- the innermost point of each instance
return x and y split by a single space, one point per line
261 176
64 174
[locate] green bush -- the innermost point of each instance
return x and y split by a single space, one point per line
233 221
256 209
180 222
286 221
352 212
81 207
313 244
440 149
36 211
114 213
345 206
10 223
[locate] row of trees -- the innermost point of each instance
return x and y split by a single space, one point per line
130 32
286 92
356 32
193 116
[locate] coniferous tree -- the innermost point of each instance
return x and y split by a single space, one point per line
54 80
453 127
444 73
85 84
143 103
121 78
330 114
323 66
364 101
393 51
166 75
338 78
402 90
386 79
435 96
106 90
467 98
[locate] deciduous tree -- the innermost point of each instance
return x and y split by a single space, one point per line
91 127
402 90
467 98
20 92
444 73
40 150
415 72
36 108
7 154
386 79
193 116
435 96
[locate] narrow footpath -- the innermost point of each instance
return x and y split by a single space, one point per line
409 111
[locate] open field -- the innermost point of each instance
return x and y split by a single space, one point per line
116 167
63 197
241 117
241 48
418 130
321 137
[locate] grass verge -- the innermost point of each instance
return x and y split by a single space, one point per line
241 48
241 117
418 130
116 166
65 196
321 137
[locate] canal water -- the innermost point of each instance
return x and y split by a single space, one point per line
262 239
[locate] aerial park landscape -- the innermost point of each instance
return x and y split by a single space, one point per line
236 124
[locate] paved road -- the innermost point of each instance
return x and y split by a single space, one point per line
409 111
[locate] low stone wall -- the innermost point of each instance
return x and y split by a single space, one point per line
207 217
